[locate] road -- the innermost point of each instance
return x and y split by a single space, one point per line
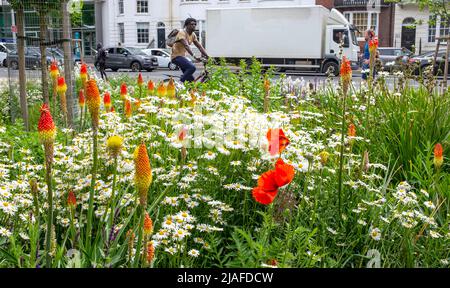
164 73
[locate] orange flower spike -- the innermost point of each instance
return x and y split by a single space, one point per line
143 173
84 73
277 141
81 100
71 200
161 91
373 45
150 88
266 85
128 110
123 90
46 126
150 252
107 101
61 87
346 71
351 130
93 100
113 110
438 156
170 91
148 225
182 135
140 81
54 71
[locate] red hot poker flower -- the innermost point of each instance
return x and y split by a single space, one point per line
373 44
346 70
277 141
140 81
54 71
352 130
81 100
150 87
123 90
107 101
438 156
71 199
46 126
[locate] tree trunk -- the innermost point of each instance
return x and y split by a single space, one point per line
44 68
22 76
67 35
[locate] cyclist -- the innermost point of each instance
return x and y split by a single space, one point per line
183 39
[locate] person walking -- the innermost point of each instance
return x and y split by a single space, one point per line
368 35
183 39
100 61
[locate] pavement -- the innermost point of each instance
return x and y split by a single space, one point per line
164 73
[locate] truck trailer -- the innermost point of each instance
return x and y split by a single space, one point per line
303 38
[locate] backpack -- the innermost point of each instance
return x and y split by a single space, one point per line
171 38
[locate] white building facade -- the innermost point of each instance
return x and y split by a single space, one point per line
413 27
146 23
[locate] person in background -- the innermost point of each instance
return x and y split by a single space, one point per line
368 35
185 38
100 61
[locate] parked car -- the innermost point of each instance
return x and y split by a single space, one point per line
5 48
129 58
32 58
58 54
392 57
426 59
163 57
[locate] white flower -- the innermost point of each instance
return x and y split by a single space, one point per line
362 222
429 204
375 233
193 253
332 231
4 232
435 234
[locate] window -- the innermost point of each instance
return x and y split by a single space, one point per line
337 35
360 20
110 51
143 32
432 28
121 33
444 27
121 9
363 21
142 6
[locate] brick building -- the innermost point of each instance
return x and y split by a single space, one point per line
365 14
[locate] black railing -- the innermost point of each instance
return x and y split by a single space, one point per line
360 3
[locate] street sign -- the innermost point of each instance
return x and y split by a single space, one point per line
14 29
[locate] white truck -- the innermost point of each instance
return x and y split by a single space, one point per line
290 38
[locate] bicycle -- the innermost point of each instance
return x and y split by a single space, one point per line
202 78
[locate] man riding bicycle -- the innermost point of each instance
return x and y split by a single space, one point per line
183 39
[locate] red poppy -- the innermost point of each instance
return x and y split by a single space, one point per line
284 173
277 141
262 196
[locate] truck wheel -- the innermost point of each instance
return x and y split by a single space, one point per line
333 66
135 66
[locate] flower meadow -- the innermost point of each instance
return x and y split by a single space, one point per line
245 170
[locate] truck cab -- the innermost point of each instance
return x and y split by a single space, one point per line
338 27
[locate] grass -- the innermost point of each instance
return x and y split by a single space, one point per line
394 208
